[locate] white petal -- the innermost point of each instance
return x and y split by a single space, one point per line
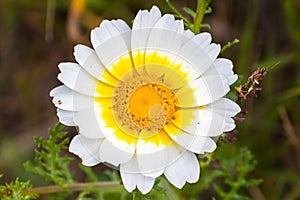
165 39
230 125
195 143
116 151
142 25
202 39
209 120
166 35
213 50
168 22
146 19
188 34
110 42
208 89
184 169
232 79
69 73
74 77
145 184
129 180
90 123
89 60
62 97
130 167
224 107
86 149
199 57
121 25
204 123
67 99
191 72
107 30
223 67
66 117
147 152
132 178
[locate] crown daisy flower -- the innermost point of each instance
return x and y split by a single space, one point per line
146 100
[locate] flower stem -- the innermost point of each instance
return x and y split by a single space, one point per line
200 12
72 187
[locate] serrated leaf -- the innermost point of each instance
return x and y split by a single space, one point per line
15 190
48 162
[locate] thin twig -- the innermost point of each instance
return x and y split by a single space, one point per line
289 129
50 20
290 132
72 187
256 193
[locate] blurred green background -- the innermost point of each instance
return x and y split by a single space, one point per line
35 35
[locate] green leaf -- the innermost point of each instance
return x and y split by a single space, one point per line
15 190
189 11
205 26
49 161
235 165
208 10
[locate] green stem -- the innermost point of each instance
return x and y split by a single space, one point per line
72 187
174 9
200 12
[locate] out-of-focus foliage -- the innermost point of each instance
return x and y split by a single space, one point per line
268 32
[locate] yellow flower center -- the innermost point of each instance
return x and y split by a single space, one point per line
144 103
150 102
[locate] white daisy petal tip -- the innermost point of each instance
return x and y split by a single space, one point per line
132 181
235 108
230 125
81 53
66 117
232 79
155 11
146 19
86 149
185 169
203 39
128 182
55 92
145 184
63 98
